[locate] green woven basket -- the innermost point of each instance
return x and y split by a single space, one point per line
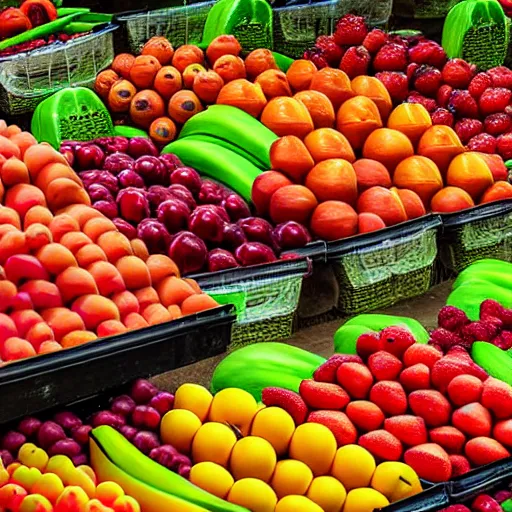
379 269
481 232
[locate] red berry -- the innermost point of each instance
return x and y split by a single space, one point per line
442 116
428 52
396 84
411 70
355 62
429 103
466 129
427 80
317 57
443 95
484 143
391 57
462 104
375 40
504 146
479 84
332 52
457 73
350 30
496 124
501 77
494 100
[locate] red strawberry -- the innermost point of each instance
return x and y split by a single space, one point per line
290 401
384 366
322 395
442 116
365 415
452 319
429 103
445 339
367 344
338 423
421 354
382 445
497 396
504 146
391 57
355 62
467 129
465 389
443 95
432 406
484 450
332 51
396 84
396 340
375 40
501 77
462 104
457 73
355 378
415 377
411 70
484 143
460 466
350 30
427 80
479 83
494 100
504 340
327 371
430 462
449 438
390 397
502 432
428 52
408 429
317 57
496 124
473 419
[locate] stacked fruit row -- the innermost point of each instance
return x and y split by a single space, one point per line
69 275
416 70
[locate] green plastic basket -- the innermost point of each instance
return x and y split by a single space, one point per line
484 231
379 269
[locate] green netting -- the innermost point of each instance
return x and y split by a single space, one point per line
419 9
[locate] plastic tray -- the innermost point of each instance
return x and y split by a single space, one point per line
44 382
484 231
379 269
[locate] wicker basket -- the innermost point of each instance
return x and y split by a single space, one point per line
379 269
181 25
29 78
484 231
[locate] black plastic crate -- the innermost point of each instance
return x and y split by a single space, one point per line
484 231
376 270
44 382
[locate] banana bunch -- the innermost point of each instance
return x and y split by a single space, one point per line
226 144
156 488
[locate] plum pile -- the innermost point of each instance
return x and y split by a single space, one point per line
198 223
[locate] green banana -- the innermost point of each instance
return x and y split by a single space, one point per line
493 360
129 132
113 456
235 129
218 163
263 365
493 271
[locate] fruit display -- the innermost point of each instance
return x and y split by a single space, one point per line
69 275
199 223
30 14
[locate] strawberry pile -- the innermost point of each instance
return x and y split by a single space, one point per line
416 70
402 400
456 330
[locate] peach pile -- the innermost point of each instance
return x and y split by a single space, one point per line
68 275
255 456
44 484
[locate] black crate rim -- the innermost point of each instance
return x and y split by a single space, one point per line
434 498
453 221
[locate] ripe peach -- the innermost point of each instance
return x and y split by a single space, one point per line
14 171
15 349
44 294
244 95
414 206
6 228
74 241
23 267
302 162
90 254
168 81
258 61
160 267
496 166
300 74
186 55
229 68
37 215
326 143
374 89
56 258
97 226
287 116
264 187
146 296
139 249
52 172
37 236
207 86
292 202
370 222
126 302
23 140
193 284
274 83
175 312
110 328
190 73
384 203
107 277
22 197
333 220
8 149
48 347
62 321
197 303
39 156
95 309
173 290
412 119
334 83
126 504
224 44
24 321
115 245
61 225
8 291
451 199
7 328
441 144
470 172
11 243
82 213
497 192
156 314
134 272
134 321
76 338
62 192
74 282
319 107
39 333
9 216
371 173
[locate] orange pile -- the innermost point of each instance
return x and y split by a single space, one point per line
67 275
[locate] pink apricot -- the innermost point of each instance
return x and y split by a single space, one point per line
44 294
